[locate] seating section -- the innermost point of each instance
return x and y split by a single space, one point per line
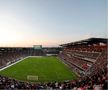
89 63
82 61
10 55
87 48
88 55
100 63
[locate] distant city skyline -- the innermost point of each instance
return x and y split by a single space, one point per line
24 23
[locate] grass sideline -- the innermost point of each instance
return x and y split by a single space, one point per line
48 69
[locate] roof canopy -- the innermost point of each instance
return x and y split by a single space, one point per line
89 41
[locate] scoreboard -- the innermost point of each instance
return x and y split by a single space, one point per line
37 47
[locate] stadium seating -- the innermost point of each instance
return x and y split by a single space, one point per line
10 55
84 57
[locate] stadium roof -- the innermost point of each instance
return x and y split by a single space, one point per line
88 41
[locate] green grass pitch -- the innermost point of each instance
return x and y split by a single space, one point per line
48 69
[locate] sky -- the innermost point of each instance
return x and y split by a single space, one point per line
25 23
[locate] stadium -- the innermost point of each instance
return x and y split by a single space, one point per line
76 64
53 45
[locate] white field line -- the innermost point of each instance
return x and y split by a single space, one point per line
17 62
13 64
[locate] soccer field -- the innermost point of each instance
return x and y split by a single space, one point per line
47 69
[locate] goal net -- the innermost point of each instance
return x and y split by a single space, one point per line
32 77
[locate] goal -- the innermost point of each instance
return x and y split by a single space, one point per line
32 77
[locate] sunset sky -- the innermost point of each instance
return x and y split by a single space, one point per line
50 22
